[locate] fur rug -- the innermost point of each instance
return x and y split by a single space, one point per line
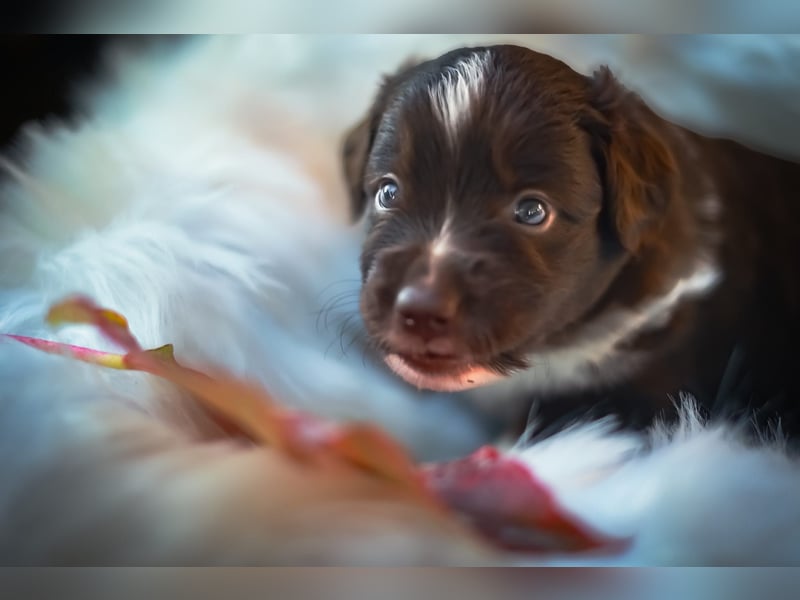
199 194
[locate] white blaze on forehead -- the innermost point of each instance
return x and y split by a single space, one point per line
441 244
439 247
452 96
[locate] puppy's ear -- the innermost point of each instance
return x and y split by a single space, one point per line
355 151
358 140
635 160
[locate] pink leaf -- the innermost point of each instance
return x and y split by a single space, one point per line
243 407
501 498
497 495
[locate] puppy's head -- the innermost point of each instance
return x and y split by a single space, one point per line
503 193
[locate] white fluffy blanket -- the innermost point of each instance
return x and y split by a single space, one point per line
199 194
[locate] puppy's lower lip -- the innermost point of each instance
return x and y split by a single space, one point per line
434 362
443 375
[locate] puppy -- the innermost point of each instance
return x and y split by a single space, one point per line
201 199
543 235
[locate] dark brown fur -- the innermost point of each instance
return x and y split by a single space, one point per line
630 189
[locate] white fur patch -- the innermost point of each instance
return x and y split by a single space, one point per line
697 495
440 247
595 358
453 95
579 364
441 244
203 209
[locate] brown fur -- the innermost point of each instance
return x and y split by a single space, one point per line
632 197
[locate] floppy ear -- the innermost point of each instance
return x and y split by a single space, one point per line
635 160
355 150
358 140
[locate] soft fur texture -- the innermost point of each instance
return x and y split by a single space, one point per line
534 227
201 197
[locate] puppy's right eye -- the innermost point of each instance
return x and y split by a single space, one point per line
386 197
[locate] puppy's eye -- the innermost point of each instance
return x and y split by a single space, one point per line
386 197
531 211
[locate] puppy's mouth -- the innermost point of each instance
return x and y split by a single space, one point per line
441 372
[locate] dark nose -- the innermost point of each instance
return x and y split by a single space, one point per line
426 310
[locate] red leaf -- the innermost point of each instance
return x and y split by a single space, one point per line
497 495
500 497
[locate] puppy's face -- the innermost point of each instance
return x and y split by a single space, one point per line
490 229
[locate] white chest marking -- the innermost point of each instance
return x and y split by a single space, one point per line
596 357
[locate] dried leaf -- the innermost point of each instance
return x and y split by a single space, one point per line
247 407
371 449
104 359
496 494
501 498
79 309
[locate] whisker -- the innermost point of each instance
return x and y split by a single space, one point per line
342 330
354 338
344 300
335 313
324 290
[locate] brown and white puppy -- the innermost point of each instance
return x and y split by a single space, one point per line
545 234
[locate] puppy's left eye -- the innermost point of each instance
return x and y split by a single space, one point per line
386 197
532 211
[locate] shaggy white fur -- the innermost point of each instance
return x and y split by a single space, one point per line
200 196
692 495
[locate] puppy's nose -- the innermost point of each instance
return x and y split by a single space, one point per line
426 310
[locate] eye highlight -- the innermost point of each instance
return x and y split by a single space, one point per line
532 210
386 196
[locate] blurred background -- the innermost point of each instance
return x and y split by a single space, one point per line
744 86
419 16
